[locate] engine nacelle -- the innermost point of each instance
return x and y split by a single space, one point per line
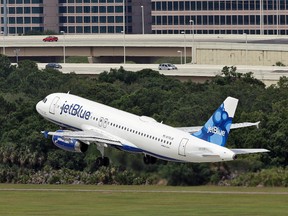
67 144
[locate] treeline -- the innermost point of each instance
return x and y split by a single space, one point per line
27 157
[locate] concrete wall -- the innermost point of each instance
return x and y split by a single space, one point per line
239 57
51 15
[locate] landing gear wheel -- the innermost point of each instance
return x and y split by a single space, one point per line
146 160
106 161
99 162
149 159
102 161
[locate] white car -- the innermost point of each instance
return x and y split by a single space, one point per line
167 66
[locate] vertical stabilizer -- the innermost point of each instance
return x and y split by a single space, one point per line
217 128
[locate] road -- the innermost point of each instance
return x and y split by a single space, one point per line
268 74
140 40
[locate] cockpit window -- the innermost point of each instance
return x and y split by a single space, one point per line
44 100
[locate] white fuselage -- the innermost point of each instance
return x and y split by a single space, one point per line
142 134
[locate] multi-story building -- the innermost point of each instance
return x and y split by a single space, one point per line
76 16
220 16
145 16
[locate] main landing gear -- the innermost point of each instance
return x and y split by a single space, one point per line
102 161
149 159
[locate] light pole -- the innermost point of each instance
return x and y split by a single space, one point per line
64 48
16 51
277 16
124 32
142 9
192 49
124 47
5 18
179 51
124 16
245 47
261 17
3 35
183 32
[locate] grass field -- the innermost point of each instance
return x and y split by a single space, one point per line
140 200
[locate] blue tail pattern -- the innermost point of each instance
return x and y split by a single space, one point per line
217 128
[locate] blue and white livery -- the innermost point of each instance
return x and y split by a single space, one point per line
84 122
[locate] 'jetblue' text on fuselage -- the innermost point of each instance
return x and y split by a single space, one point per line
75 110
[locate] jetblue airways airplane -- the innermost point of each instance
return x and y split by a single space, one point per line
84 122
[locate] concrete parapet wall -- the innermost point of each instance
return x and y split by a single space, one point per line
240 57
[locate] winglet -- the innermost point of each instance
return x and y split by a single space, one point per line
217 128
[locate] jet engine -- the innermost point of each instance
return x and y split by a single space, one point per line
67 144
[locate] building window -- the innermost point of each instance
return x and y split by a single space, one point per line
19 20
86 20
102 19
71 29
79 10
94 19
79 29
62 9
87 29
102 29
94 9
102 9
95 29
11 10
27 10
11 20
19 10
110 19
119 9
79 19
119 19
27 20
110 9
110 29
71 10
86 9
37 10
71 19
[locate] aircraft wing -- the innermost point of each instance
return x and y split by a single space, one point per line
86 136
248 151
233 126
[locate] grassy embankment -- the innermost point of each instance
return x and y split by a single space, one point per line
140 200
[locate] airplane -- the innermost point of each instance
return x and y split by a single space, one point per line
84 122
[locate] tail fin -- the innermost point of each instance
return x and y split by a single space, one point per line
217 128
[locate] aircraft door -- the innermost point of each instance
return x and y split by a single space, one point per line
53 105
182 147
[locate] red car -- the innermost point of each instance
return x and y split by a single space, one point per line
50 39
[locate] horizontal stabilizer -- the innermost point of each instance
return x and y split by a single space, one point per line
245 124
194 129
248 151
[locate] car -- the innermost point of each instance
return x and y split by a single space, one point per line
50 39
53 65
167 66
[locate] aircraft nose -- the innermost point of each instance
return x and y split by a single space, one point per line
39 107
